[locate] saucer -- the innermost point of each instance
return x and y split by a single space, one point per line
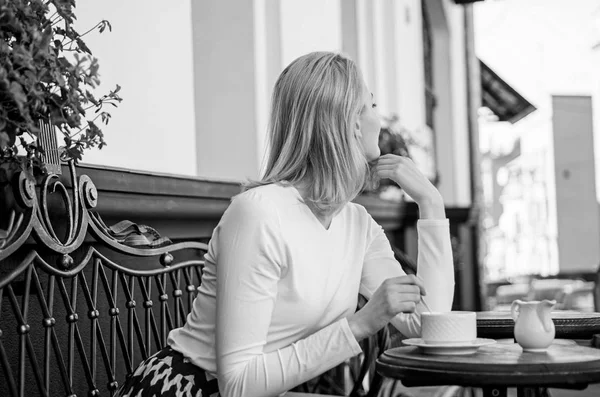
454 349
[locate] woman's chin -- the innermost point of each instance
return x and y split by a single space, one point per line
374 155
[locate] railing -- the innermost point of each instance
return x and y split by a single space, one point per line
77 314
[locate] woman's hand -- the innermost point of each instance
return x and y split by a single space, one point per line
405 173
395 295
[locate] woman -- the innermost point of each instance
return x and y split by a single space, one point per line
289 257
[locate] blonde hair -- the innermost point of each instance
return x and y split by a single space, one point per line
311 138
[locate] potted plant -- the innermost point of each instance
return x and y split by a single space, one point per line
395 138
392 141
48 76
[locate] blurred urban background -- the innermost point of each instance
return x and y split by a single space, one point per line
539 171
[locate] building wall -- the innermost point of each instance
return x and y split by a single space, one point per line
229 65
203 72
577 208
148 53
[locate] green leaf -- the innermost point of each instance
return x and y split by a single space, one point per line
58 45
4 140
83 46
37 80
105 117
74 153
18 95
104 24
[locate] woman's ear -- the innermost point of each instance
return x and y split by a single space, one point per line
357 131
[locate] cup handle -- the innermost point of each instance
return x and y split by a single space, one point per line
514 309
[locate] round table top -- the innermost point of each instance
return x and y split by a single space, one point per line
501 364
568 324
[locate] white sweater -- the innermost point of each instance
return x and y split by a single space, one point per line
277 288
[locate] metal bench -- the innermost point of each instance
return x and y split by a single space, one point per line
82 303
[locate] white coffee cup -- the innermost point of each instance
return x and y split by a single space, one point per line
448 327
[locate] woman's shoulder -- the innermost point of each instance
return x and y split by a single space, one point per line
270 194
261 200
358 210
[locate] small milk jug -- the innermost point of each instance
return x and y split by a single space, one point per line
534 329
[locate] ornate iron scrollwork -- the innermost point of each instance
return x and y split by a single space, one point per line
29 216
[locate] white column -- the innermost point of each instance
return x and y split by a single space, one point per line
460 110
596 96
443 112
350 29
236 54
385 56
380 48
576 204
267 37
366 52
310 25
409 64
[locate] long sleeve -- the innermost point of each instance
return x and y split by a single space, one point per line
434 266
250 264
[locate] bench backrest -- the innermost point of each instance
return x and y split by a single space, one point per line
81 303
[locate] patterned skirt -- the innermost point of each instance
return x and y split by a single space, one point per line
168 374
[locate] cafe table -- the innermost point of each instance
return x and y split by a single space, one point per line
494 368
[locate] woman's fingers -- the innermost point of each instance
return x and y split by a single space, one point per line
408 297
406 289
406 284
389 171
393 159
391 156
399 170
405 173
401 302
407 307
406 302
385 174
395 295
386 166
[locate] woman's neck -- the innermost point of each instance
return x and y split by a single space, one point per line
324 217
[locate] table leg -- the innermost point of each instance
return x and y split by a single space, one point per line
494 391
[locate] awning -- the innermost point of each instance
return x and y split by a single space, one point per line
501 98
